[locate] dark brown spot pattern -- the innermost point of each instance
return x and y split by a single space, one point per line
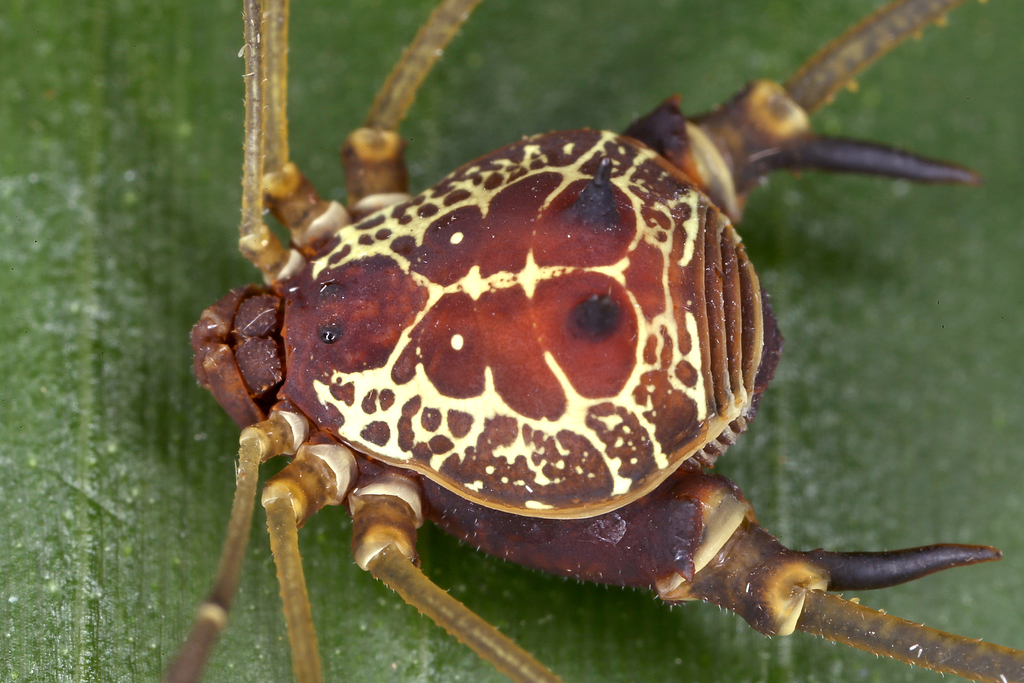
522 351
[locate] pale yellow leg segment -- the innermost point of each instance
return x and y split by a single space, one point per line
287 193
399 90
402 576
257 443
319 475
838 63
284 542
256 242
375 171
383 543
778 590
270 179
832 617
373 155
766 126
275 84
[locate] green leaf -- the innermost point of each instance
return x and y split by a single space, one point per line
896 418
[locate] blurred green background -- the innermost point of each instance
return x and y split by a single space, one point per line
896 418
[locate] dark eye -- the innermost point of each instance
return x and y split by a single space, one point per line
329 333
596 317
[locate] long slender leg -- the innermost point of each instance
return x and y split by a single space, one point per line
766 127
284 543
275 85
778 590
284 189
383 542
375 170
832 617
318 475
373 156
838 63
399 90
256 242
257 443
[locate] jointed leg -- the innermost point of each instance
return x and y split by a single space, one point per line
282 187
375 172
284 544
766 127
319 475
779 590
834 66
383 542
386 515
256 242
278 184
275 89
273 436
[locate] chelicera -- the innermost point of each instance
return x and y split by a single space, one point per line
543 354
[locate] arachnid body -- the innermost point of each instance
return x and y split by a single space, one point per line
764 422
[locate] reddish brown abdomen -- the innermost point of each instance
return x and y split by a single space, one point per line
550 330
